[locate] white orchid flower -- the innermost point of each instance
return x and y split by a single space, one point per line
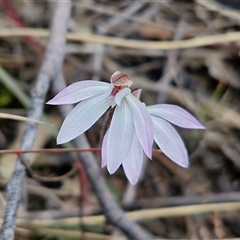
133 126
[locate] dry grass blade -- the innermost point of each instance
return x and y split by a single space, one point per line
20 118
141 215
120 42
73 234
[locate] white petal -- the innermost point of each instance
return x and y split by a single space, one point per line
82 117
104 150
143 124
170 142
121 94
175 115
133 163
79 91
136 93
120 136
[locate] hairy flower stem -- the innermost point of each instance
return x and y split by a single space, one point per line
106 124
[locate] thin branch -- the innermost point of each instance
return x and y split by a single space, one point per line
49 70
161 202
51 150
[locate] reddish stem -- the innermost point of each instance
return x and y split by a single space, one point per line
12 14
83 182
49 150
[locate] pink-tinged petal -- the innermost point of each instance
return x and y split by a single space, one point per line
133 162
79 91
104 150
120 136
170 142
175 115
121 94
82 117
108 94
143 124
136 93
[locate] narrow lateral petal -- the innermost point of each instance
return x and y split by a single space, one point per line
136 93
82 117
132 164
104 150
170 142
120 136
79 91
175 115
143 124
121 94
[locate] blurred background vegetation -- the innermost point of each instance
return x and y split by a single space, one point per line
205 80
